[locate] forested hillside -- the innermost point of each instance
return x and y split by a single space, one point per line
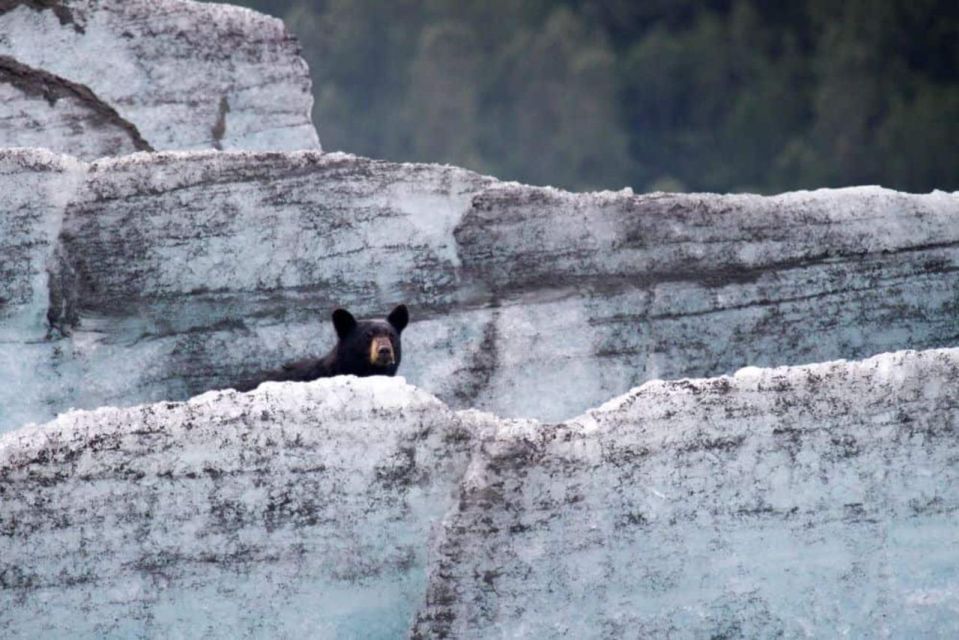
719 95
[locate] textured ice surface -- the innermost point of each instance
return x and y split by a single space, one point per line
179 272
816 501
38 109
173 74
293 511
35 187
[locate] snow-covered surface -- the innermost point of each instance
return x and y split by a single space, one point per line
38 109
178 74
35 187
178 272
816 501
293 511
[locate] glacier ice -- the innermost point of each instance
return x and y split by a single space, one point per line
808 501
101 77
296 509
815 501
40 109
173 273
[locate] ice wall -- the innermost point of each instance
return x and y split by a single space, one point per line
39 109
35 187
295 511
175 273
106 77
815 501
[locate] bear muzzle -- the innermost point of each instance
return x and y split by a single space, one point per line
381 352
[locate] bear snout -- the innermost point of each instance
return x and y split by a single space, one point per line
381 352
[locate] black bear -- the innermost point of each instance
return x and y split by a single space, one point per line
363 348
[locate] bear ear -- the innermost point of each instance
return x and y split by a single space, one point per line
399 317
343 322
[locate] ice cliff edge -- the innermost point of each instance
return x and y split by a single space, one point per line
95 78
159 276
795 501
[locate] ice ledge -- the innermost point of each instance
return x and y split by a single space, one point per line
214 266
180 74
791 501
292 507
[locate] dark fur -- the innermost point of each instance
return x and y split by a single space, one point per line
350 356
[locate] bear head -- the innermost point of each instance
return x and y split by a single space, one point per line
369 347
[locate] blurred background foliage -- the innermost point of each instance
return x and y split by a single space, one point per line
710 95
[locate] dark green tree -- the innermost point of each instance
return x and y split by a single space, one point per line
557 119
720 95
